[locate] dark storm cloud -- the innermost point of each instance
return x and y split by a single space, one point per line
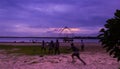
38 14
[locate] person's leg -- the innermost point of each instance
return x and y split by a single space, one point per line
81 59
58 51
55 51
49 51
73 60
44 50
82 48
52 51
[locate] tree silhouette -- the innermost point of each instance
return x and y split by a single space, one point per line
110 36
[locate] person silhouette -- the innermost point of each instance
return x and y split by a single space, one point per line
82 45
43 46
76 53
57 51
51 47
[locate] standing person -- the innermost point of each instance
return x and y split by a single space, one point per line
82 45
57 51
76 53
51 47
43 46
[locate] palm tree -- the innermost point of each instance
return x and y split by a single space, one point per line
110 35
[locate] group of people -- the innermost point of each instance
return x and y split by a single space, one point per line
53 48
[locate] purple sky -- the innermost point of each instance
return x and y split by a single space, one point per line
46 17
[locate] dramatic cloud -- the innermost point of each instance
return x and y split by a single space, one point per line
44 31
43 17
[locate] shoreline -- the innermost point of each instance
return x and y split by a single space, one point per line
40 43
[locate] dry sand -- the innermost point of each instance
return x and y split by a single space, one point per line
94 56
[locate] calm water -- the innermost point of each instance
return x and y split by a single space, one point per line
40 39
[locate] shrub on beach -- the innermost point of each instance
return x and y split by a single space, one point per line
110 36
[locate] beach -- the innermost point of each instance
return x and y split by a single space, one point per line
94 55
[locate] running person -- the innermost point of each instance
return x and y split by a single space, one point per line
76 53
